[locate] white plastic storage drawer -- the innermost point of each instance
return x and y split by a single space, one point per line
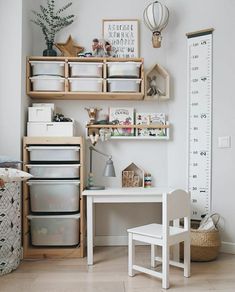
47 83
86 84
56 129
124 69
124 85
54 195
47 68
40 114
54 153
54 170
54 230
85 69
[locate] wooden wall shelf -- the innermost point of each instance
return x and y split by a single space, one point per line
84 95
128 126
165 137
69 95
162 83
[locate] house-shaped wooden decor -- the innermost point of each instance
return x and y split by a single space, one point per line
157 83
132 176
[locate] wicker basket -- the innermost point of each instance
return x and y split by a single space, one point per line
205 245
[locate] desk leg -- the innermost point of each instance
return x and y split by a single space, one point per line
89 230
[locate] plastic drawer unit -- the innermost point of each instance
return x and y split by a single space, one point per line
86 84
54 230
124 85
52 196
47 171
124 69
54 153
47 68
47 83
85 69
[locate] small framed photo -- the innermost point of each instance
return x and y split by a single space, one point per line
123 35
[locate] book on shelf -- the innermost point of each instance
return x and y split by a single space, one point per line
122 116
150 119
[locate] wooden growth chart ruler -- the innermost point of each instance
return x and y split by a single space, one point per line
199 68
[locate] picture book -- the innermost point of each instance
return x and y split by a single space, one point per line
150 119
122 116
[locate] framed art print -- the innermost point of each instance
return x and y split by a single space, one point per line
123 35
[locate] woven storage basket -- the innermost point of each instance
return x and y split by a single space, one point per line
205 245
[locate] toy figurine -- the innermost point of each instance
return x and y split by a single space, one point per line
93 133
102 48
153 89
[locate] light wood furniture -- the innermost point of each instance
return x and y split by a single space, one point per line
176 205
162 83
32 252
119 195
68 95
167 127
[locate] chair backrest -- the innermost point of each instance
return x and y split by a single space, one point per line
176 205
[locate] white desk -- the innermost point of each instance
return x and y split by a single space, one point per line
117 195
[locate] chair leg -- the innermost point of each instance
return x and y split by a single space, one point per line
187 260
153 255
165 266
131 254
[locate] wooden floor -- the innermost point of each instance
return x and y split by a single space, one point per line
109 274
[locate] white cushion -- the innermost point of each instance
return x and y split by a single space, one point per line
13 175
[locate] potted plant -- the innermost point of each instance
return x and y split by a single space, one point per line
51 21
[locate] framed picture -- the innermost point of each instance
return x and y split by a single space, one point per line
123 35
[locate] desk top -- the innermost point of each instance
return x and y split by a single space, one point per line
154 191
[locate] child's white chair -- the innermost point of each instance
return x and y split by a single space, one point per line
175 205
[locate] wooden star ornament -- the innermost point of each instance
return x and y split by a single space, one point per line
69 48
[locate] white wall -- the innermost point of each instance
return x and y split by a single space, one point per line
27 47
16 36
165 160
10 77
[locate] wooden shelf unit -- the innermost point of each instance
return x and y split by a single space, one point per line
33 252
69 95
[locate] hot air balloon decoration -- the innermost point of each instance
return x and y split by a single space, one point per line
156 17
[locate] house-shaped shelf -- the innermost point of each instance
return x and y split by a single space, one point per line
132 176
157 83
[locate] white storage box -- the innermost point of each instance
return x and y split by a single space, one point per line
124 85
47 68
54 170
56 129
54 230
54 195
85 69
51 105
54 153
124 69
47 83
40 114
86 84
